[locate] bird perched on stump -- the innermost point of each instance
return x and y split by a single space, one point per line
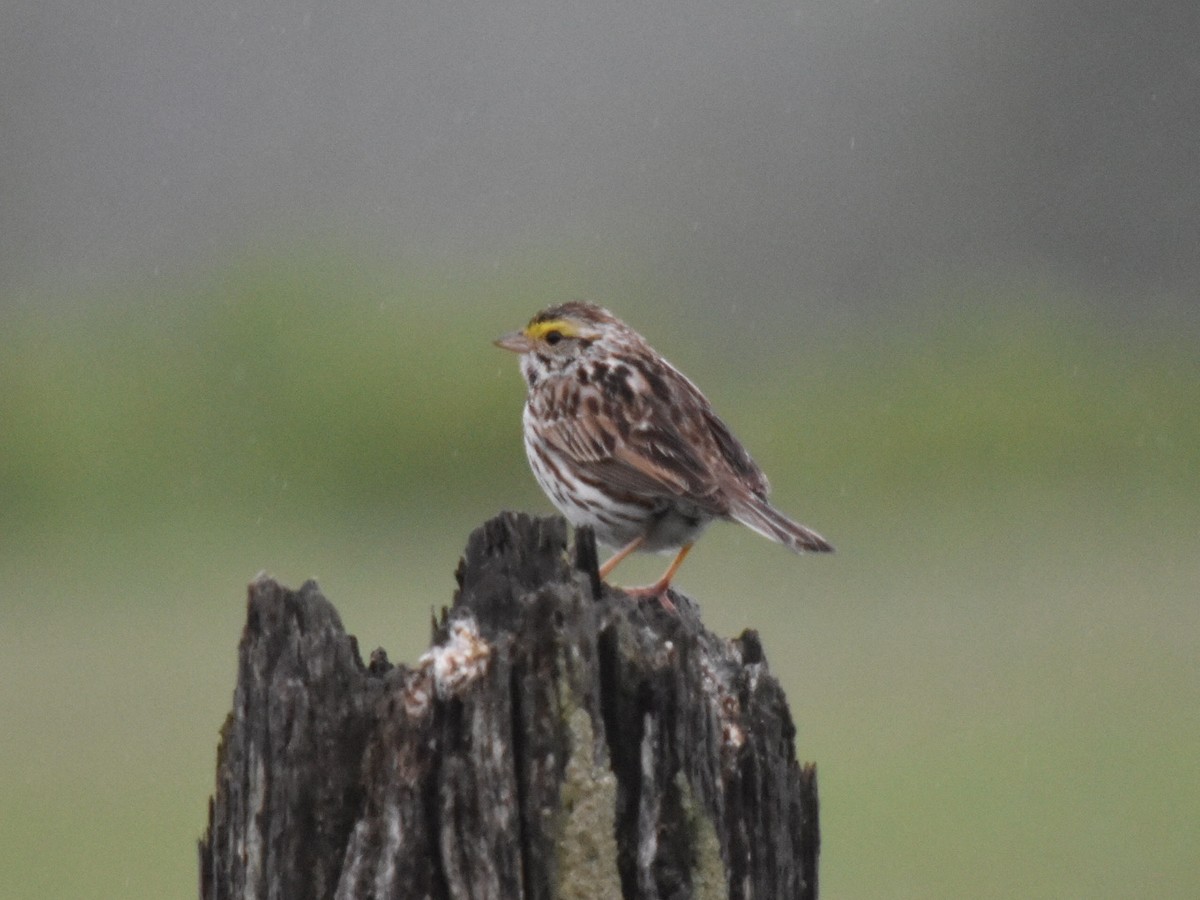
622 441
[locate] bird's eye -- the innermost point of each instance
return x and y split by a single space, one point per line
553 337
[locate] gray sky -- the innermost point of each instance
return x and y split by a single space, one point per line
836 150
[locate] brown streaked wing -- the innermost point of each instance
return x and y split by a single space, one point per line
711 433
655 463
737 457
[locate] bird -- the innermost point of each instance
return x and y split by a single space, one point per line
622 441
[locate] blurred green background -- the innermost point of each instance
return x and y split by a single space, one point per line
935 263
997 672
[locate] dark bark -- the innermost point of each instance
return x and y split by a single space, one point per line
559 740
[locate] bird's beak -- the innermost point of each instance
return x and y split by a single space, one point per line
516 341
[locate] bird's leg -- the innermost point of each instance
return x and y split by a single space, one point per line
659 588
620 555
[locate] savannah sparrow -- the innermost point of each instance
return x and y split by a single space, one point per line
619 439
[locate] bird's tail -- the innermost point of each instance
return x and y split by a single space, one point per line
756 513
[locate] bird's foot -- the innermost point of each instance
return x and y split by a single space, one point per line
661 588
660 591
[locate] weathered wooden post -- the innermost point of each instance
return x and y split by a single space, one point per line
559 740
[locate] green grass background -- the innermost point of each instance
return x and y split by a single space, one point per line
998 673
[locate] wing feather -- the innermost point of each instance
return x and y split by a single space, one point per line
648 457
671 445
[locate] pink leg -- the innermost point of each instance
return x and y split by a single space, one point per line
620 555
659 588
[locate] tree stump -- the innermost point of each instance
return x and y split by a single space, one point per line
559 740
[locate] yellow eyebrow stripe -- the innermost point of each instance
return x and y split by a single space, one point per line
538 330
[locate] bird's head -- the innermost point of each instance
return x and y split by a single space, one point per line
558 336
